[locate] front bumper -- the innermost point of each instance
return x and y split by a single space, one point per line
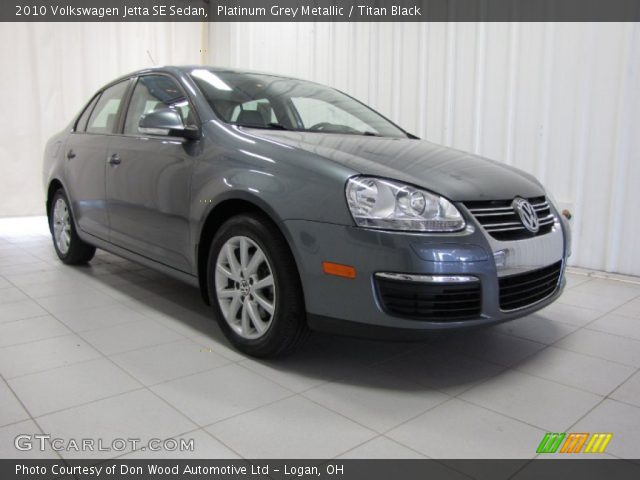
354 303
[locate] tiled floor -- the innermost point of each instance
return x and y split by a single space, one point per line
115 350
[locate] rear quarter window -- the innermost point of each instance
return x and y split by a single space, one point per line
81 123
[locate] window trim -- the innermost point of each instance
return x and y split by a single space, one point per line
87 106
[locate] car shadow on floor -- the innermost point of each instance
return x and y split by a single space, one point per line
451 362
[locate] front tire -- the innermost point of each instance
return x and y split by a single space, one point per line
68 245
254 287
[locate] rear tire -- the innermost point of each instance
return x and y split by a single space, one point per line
70 249
254 287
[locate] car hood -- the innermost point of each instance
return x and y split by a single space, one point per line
458 175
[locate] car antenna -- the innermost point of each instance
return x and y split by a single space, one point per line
151 58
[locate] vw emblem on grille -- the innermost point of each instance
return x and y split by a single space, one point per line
527 214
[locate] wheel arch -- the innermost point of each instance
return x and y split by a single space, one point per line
54 185
219 214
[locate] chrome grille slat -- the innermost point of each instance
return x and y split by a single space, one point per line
507 229
506 209
548 220
495 214
501 221
490 226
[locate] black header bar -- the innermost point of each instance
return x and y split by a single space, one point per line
320 10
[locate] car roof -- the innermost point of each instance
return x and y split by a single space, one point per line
184 69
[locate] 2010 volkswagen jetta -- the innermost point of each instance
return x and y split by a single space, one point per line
293 206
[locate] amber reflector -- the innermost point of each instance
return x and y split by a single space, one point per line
338 270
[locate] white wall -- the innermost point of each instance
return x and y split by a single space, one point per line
561 101
49 70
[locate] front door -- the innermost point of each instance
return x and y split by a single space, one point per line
149 179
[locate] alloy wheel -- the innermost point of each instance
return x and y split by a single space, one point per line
245 287
61 226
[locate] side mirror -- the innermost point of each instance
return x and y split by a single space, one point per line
167 122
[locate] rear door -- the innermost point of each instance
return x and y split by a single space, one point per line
149 178
86 156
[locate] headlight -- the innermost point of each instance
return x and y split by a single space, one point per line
380 203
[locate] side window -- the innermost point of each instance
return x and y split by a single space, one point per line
81 124
153 92
104 115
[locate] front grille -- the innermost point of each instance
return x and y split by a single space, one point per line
524 289
430 301
502 222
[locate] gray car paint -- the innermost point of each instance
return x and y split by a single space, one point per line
157 200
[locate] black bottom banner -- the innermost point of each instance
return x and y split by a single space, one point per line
603 469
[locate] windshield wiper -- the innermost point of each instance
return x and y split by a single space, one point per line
277 126
268 126
371 134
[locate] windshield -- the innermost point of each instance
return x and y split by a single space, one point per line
265 101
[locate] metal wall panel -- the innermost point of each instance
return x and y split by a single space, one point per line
559 100
50 70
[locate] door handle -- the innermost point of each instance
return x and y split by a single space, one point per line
71 154
114 159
